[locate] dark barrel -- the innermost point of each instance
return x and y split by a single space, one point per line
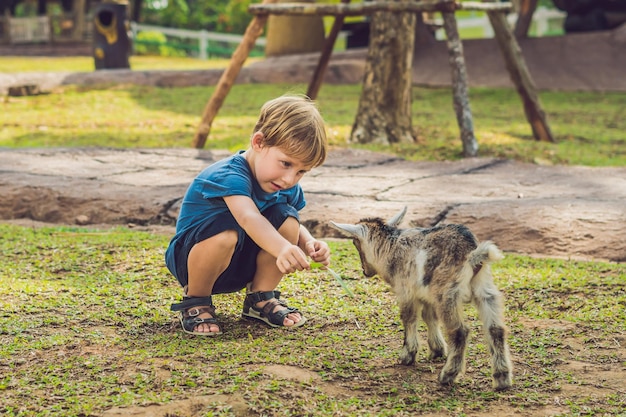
111 43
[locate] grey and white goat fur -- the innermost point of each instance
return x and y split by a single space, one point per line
433 272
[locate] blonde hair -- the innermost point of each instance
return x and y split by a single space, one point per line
294 124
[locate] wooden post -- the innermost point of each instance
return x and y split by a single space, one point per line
459 85
7 26
520 76
525 17
253 31
78 34
320 70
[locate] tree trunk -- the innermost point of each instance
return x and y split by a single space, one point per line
135 14
294 34
384 114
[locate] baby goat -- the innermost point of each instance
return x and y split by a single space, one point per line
433 272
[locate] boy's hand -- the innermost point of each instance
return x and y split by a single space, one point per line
318 251
291 259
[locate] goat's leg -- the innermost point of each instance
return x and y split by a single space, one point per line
409 312
490 308
435 339
456 332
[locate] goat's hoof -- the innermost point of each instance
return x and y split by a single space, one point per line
437 354
502 381
407 359
446 378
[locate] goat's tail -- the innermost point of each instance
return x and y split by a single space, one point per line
485 253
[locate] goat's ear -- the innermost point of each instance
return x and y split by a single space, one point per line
397 218
351 229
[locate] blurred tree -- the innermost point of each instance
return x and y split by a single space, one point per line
227 16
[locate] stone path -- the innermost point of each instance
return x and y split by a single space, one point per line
557 211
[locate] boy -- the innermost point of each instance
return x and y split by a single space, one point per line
238 225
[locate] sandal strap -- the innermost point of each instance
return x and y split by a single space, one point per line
196 311
190 323
269 307
255 297
276 317
189 302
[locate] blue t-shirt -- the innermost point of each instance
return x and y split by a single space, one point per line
204 198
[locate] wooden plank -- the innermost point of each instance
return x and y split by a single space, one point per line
483 7
253 31
460 90
520 76
366 8
322 64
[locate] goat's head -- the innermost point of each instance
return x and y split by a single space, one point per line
364 236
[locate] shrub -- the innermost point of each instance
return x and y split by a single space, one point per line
155 43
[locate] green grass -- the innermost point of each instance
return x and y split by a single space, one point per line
589 127
86 326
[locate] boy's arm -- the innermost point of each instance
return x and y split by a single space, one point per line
304 237
289 257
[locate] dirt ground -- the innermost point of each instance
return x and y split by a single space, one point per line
595 372
602 381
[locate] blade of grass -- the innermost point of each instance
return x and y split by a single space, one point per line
317 265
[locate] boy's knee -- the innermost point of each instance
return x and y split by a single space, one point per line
226 239
221 242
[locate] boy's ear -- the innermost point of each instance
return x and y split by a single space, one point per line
257 140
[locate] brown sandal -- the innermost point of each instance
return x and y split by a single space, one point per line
266 314
190 308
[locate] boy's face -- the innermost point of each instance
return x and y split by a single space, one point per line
275 171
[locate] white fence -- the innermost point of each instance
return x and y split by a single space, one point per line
29 29
203 37
543 20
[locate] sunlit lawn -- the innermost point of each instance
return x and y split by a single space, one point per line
589 127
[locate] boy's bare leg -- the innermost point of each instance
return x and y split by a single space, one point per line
268 276
207 260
